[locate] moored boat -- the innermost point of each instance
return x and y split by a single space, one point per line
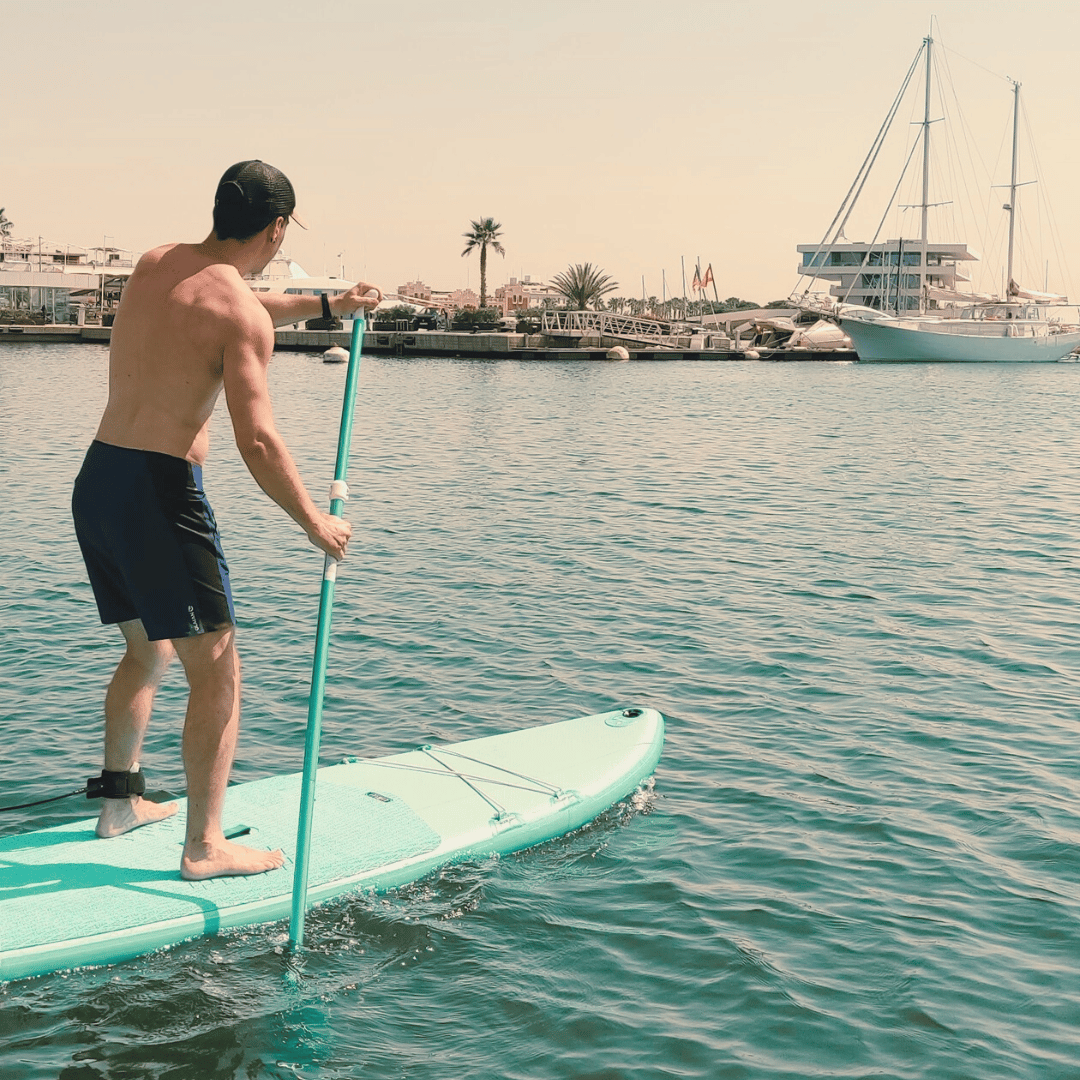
994 333
931 319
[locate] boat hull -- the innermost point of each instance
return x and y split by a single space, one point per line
885 341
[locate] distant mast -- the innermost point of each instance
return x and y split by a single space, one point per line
1011 206
928 43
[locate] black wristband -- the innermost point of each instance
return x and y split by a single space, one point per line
326 314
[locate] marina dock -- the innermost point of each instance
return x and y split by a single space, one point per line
439 343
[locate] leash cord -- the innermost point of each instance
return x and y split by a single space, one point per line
41 802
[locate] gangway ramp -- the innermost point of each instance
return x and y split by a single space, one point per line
601 324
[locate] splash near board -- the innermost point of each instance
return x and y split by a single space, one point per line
68 898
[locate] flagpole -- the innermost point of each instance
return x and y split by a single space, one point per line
339 492
697 286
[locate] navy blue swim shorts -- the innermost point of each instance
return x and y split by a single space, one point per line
150 542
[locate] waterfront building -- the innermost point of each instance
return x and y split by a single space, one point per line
888 276
509 298
415 289
45 282
524 294
462 298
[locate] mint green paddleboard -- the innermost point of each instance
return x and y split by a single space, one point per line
69 899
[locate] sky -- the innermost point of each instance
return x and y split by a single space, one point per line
632 135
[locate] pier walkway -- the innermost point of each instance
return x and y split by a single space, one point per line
605 324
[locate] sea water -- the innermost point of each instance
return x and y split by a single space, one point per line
851 589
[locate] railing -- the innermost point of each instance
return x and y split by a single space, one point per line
607 324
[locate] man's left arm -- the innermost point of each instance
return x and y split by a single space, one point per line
285 308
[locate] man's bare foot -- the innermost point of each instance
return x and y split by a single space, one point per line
226 859
122 815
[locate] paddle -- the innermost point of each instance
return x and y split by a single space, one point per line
339 491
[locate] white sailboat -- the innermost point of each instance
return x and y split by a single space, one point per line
1022 326
994 333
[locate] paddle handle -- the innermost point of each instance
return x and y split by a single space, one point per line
339 491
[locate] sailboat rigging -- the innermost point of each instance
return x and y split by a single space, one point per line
934 320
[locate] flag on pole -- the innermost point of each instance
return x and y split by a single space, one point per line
707 279
696 283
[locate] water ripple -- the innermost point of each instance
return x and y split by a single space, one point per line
849 588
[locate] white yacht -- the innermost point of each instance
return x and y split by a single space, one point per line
285 276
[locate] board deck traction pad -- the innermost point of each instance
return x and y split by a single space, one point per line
68 898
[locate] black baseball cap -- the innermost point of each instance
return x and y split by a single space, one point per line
252 194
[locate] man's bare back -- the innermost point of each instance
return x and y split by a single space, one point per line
166 364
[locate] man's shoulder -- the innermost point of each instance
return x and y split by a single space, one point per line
212 289
239 310
215 285
154 256
173 265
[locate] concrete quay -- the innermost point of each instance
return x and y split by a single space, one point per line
482 346
436 343
55 335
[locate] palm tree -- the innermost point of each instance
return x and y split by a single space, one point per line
583 284
5 225
484 233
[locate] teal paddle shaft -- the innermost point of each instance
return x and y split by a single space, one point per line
338 494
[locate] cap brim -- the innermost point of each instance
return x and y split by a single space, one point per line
298 219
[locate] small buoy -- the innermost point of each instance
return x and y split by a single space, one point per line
335 355
752 354
618 353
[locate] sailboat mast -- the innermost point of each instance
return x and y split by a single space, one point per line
1012 189
928 42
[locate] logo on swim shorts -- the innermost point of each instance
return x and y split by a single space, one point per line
194 620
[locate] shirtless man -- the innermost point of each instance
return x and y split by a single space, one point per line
188 325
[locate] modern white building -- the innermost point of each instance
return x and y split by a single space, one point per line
41 281
888 276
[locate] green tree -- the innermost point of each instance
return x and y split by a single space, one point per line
5 224
476 319
583 284
387 319
483 234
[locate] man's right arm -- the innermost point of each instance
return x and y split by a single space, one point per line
246 358
293 307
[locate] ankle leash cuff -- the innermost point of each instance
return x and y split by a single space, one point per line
115 785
